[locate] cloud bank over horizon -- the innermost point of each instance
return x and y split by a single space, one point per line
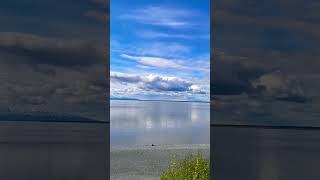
153 84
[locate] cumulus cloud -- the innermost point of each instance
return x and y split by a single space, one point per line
278 86
234 78
236 75
163 83
157 83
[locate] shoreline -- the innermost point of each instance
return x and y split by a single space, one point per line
139 162
158 147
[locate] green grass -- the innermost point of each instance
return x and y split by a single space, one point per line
193 167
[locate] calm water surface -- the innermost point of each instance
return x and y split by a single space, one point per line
159 122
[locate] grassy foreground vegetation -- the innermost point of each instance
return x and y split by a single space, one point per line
193 167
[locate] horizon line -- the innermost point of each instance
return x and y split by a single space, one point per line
165 100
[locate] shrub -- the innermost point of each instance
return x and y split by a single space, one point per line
193 167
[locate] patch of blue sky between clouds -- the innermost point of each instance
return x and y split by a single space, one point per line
160 50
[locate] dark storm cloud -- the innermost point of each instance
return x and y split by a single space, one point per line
106 3
233 79
67 88
302 26
296 23
53 57
36 100
265 62
41 50
232 75
49 71
98 16
235 75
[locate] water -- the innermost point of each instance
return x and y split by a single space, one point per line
159 122
265 153
53 151
176 128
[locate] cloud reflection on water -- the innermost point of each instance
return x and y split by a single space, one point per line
159 122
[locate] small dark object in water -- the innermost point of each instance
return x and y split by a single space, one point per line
152 145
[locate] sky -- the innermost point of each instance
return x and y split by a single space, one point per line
265 62
160 50
53 57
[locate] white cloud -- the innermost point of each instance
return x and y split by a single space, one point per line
278 86
154 34
161 16
164 63
195 88
163 49
126 83
154 61
163 83
160 49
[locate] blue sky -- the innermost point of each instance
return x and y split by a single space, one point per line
160 49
